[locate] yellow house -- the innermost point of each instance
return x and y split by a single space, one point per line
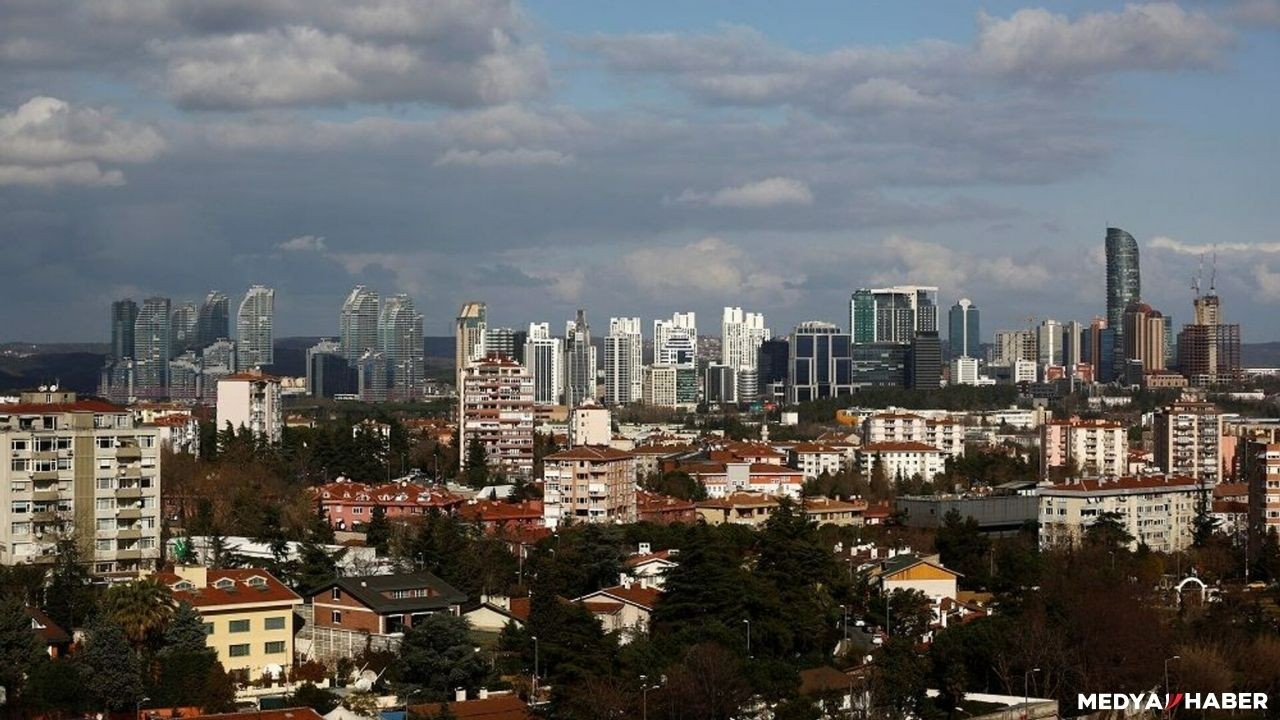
913 572
248 616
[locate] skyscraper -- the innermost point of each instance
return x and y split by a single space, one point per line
820 365
1049 343
579 361
741 334
623 358
124 313
400 340
503 341
1124 287
1143 342
469 338
893 314
358 323
328 372
186 318
255 323
965 332
544 356
214 320
153 342
675 341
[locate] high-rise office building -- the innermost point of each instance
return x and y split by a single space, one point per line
926 361
1049 343
892 314
213 321
1124 287
503 341
544 357
185 325
358 323
1072 339
469 338
623 359
124 314
255 328
741 334
821 365
400 340
965 336
675 341
1144 345
1014 345
328 372
579 361
153 343
771 367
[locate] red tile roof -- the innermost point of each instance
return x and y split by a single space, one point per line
1228 490
497 707
499 511
239 593
48 630
599 453
899 447
645 597
303 713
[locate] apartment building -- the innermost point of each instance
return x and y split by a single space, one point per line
251 401
904 459
247 613
589 484
1156 510
941 433
1188 439
497 409
1092 447
1261 468
80 470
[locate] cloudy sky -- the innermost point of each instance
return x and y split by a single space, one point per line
632 158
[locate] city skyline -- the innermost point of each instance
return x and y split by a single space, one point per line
551 172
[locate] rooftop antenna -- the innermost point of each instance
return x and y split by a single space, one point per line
1195 283
1213 274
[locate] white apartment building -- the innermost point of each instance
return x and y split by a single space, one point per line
942 434
623 360
251 400
588 484
1156 510
814 459
590 424
1094 447
904 459
497 409
741 334
544 357
80 470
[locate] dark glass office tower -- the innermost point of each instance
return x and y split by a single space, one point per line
124 313
1124 283
964 335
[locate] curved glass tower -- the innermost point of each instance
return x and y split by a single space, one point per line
1124 284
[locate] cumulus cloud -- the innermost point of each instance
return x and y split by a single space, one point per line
916 261
1266 282
518 157
1040 44
47 141
1178 247
1254 13
303 243
770 192
710 267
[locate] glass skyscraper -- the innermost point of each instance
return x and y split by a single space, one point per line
964 337
255 333
1124 285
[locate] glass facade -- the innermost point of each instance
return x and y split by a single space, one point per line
1124 284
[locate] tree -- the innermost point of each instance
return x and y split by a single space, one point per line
1108 531
141 608
879 486
377 534
963 548
477 472
110 670
437 656
69 597
315 566
20 647
899 678
318 699
55 686
1204 525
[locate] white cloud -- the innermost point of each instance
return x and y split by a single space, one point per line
519 157
1266 282
303 243
47 141
1181 248
710 267
770 192
1253 13
917 261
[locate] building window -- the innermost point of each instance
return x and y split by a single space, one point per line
274 623
335 594
208 628
238 650
275 647
336 617
238 626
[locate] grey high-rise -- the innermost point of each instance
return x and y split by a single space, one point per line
185 322
124 313
255 333
400 340
579 361
214 320
153 341
1124 284
358 323
965 336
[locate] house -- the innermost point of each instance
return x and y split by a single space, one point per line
828 511
247 614
347 504
492 515
649 568
492 613
739 508
485 707
383 604
56 640
624 609
914 572
301 713
663 509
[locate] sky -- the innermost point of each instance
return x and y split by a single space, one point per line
633 158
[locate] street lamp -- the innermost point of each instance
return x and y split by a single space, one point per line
748 622
1166 675
644 697
1026 694
535 666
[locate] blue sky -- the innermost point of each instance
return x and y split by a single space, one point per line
632 158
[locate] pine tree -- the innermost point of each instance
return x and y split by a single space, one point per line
378 532
477 473
1204 525
20 648
437 656
110 670
186 630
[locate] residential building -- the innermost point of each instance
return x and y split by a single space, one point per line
1124 287
373 377
469 338
184 323
741 335
497 411
579 361
251 401
358 323
255 328
1144 345
670 386
892 314
904 459
1260 467
350 614
213 320
248 617
590 424
675 341
623 359
328 372
400 340
347 505
153 344
815 459
124 315
1188 440
1086 448
895 426
820 365
623 609
544 357
1157 511
965 338
592 484
924 574
1014 345
80 470
504 341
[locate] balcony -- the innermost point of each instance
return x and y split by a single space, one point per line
130 554
44 475
129 493
128 453
129 533
129 513
597 489
46 495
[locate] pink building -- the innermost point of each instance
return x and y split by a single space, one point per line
1094 447
347 504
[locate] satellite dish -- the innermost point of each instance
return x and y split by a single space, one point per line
53 388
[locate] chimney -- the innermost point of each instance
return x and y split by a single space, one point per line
644 548
460 695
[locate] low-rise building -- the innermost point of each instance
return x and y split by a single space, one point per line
724 478
624 609
663 509
906 571
1090 447
905 459
495 515
352 613
739 508
829 511
347 504
588 484
1156 510
1002 513
248 617
814 459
